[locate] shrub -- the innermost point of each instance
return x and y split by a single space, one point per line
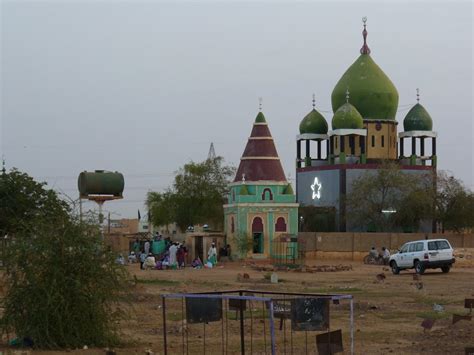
64 289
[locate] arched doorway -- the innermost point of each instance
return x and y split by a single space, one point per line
257 235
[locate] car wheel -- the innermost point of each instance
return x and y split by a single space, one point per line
419 268
395 268
446 268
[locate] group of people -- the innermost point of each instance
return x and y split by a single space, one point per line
384 255
160 254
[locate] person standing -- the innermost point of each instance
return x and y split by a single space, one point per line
173 250
180 255
212 254
147 247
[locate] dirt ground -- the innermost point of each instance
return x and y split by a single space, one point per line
388 314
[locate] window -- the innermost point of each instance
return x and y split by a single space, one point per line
335 142
267 194
232 225
383 141
419 247
442 244
404 248
373 141
280 225
438 245
412 248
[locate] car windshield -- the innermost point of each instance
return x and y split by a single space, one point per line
438 245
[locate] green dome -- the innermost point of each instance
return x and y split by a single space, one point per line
372 92
314 122
260 117
347 117
418 119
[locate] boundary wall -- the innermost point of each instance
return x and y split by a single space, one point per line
354 246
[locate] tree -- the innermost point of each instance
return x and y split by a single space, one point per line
197 195
161 208
454 203
389 198
63 287
23 201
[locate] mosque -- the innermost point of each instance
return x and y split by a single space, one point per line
363 134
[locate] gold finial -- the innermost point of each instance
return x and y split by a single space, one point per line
347 95
417 95
314 100
260 100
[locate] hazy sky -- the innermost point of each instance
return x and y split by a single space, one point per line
144 87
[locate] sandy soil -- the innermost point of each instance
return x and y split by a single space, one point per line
388 314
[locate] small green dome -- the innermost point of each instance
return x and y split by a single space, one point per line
314 122
260 117
418 119
372 92
347 117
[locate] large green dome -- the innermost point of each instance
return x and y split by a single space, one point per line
314 123
418 119
372 92
347 117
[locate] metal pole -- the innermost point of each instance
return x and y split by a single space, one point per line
242 334
163 306
80 209
272 328
352 326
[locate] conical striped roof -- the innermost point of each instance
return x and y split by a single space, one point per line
260 160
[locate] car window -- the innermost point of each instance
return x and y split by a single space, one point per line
442 244
432 246
419 247
404 248
412 247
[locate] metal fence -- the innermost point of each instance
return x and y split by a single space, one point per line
257 322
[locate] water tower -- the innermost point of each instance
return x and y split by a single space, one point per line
100 186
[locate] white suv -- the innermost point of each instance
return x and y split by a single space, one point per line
422 255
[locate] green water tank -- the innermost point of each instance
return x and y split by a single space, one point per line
100 182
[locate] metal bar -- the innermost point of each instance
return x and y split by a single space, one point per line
242 330
251 327
242 298
204 338
222 328
226 327
264 329
163 305
272 327
182 322
352 326
321 295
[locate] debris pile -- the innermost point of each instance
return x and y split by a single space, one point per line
303 268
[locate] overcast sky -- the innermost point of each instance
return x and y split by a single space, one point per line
144 87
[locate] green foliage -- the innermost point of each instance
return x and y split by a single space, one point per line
454 203
23 201
317 219
243 243
197 195
161 208
63 288
410 195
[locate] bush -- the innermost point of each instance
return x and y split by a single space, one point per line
63 288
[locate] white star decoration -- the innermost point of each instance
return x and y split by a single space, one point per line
316 187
